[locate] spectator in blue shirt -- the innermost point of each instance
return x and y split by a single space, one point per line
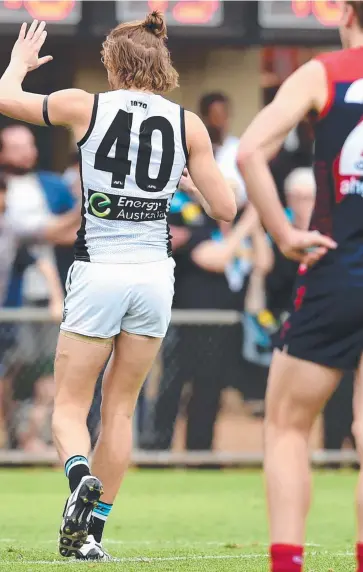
33 198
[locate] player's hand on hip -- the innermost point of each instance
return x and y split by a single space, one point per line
28 45
306 247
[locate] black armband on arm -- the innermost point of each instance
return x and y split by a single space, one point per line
45 111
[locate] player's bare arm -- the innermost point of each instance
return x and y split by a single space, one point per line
306 89
217 197
70 107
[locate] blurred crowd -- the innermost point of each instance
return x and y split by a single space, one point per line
219 266
226 267
39 215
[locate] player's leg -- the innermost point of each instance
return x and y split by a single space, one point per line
297 391
96 300
357 430
129 365
144 326
79 360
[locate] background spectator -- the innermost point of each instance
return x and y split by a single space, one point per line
15 258
300 189
259 323
199 285
194 353
215 110
33 198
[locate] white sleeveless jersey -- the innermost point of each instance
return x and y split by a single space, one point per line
131 161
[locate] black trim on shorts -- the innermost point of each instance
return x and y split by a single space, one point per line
92 122
68 289
169 244
80 246
45 111
70 278
183 135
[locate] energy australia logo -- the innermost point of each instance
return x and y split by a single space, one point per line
100 205
123 208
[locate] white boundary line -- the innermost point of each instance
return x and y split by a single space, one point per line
228 544
151 560
144 559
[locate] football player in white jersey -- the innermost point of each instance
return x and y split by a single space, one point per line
134 145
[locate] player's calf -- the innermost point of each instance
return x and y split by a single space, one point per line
288 491
297 390
126 371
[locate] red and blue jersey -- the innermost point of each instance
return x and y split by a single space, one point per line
338 166
326 326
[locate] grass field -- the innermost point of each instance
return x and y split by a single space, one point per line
175 521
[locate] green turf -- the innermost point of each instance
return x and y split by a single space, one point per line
175 521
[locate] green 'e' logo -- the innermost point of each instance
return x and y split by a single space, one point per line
100 200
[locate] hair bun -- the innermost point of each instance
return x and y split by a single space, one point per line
155 23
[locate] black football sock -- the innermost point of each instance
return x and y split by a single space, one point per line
76 468
99 517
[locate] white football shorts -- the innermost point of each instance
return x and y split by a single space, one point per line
104 299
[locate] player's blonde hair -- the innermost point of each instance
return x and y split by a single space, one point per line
136 56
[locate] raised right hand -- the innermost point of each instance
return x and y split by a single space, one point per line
28 45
